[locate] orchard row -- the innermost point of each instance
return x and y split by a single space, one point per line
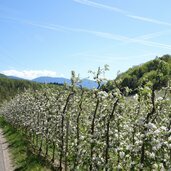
94 130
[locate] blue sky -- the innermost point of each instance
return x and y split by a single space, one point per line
40 37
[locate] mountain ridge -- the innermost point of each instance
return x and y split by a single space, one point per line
61 80
86 83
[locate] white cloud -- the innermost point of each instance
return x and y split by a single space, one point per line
30 74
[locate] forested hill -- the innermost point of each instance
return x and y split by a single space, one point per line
3 76
10 87
156 72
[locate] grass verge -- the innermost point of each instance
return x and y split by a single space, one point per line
24 159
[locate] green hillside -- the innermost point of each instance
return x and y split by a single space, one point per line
10 87
156 72
3 76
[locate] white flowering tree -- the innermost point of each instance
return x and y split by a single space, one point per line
81 129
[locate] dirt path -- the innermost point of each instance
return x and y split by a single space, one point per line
5 162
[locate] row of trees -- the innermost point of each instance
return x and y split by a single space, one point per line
94 130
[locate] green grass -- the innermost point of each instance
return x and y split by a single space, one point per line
23 158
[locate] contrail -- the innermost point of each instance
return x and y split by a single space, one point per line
105 35
121 11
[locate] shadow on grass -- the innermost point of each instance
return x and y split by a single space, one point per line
25 159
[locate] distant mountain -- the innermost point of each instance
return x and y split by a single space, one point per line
88 83
60 80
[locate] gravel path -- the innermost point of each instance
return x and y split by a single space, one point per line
5 162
